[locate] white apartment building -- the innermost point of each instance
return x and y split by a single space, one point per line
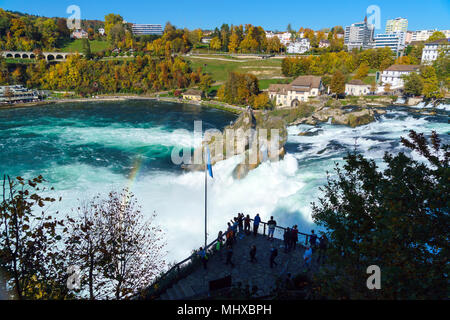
299 90
299 46
147 29
101 31
432 50
397 25
394 40
422 35
284 37
359 35
393 74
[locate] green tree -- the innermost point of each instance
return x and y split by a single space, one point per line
437 35
413 84
205 82
86 48
397 219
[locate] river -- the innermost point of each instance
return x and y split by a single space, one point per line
86 148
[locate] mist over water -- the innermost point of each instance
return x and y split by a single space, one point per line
86 148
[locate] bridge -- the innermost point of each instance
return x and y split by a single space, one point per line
49 56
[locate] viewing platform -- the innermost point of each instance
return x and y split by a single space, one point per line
190 281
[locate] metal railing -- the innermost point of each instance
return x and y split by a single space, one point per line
175 269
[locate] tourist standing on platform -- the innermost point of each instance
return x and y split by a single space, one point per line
287 239
253 254
323 245
272 224
235 228
203 257
307 257
273 255
247 225
256 222
294 237
240 222
229 235
219 243
229 256
313 240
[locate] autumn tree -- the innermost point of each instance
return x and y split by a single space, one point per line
431 88
362 71
205 82
396 218
133 252
110 21
337 84
30 262
240 88
261 101
215 43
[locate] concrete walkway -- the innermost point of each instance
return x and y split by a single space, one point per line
253 274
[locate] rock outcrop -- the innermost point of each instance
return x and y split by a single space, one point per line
346 116
257 137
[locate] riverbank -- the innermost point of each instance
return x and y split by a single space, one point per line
212 104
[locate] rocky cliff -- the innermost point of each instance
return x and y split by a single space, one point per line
255 136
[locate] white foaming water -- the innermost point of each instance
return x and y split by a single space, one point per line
283 189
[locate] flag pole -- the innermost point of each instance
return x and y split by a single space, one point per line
206 196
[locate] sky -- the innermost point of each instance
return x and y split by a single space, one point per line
270 14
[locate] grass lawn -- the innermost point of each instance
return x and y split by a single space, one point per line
219 69
76 45
19 60
369 80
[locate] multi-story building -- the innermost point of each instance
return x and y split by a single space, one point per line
393 40
298 46
397 25
147 29
17 93
432 50
101 31
393 74
285 37
299 90
408 38
422 35
359 35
